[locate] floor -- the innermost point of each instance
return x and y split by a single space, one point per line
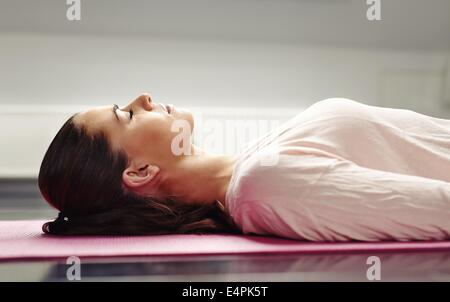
19 199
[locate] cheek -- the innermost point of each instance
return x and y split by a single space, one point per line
150 135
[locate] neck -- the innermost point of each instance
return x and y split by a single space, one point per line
201 177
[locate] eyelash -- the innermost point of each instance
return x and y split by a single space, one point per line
131 113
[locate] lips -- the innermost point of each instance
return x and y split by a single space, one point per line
165 107
170 109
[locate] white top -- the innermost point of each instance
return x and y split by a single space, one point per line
342 170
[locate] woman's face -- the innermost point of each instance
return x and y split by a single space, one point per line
145 134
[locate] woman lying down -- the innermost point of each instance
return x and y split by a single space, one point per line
338 171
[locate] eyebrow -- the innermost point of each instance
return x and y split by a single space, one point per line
114 110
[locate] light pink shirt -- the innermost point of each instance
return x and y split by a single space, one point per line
342 170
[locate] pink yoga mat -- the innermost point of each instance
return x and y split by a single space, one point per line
23 239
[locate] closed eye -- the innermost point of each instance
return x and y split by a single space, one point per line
115 108
131 113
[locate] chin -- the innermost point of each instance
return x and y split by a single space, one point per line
191 120
187 115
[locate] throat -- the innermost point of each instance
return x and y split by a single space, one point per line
202 178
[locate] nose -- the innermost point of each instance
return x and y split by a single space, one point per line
145 97
142 102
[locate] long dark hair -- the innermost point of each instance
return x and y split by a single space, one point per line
81 176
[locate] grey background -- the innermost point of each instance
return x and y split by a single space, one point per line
234 53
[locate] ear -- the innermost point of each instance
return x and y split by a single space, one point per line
138 176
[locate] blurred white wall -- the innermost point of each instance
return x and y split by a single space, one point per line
60 70
215 57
